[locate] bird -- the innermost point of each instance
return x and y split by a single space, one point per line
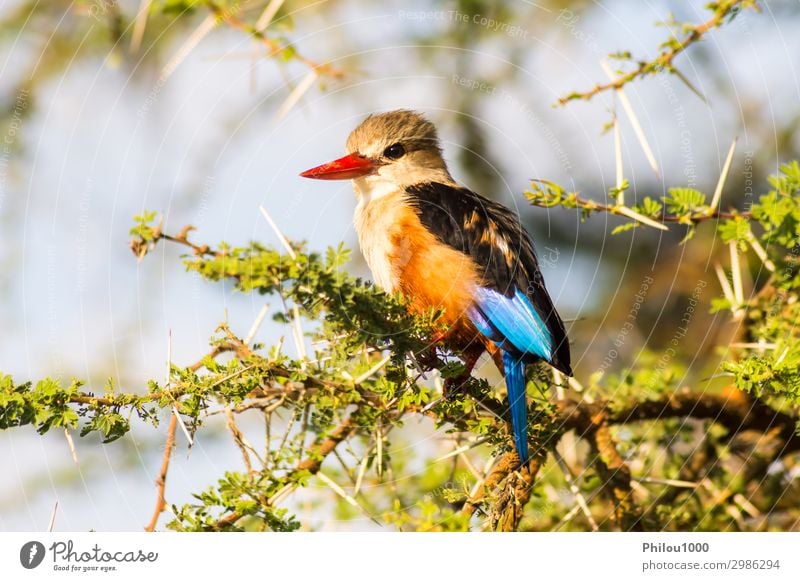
445 247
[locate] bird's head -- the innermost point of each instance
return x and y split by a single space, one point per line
387 151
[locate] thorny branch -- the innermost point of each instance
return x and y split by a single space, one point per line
592 424
273 47
723 12
592 206
507 488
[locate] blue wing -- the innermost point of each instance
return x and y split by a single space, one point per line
512 323
517 328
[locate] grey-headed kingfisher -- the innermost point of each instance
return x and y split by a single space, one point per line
445 247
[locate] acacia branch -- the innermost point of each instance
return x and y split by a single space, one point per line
501 469
273 47
509 500
509 507
735 410
574 200
664 61
591 422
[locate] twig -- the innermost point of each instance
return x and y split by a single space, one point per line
592 206
508 508
273 47
379 449
487 468
362 469
591 422
161 482
175 411
668 482
567 517
576 491
199 250
761 346
725 285
615 472
239 439
297 333
462 449
736 411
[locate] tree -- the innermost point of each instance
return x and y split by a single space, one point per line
630 447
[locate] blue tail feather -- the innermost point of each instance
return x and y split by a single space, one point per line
515 382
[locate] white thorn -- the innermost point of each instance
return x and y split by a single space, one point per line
736 273
626 211
637 127
269 13
71 444
139 26
289 250
256 324
618 159
713 206
187 47
725 285
52 518
759 250
296 94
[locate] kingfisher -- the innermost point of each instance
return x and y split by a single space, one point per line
447 248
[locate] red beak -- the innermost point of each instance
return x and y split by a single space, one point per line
345 168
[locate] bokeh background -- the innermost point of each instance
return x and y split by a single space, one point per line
95 131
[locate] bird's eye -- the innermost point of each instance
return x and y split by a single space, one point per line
395 151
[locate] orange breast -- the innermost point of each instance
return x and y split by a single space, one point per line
433 275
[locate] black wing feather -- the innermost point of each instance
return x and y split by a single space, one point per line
462 219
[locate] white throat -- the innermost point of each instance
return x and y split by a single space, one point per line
380 202
374 187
